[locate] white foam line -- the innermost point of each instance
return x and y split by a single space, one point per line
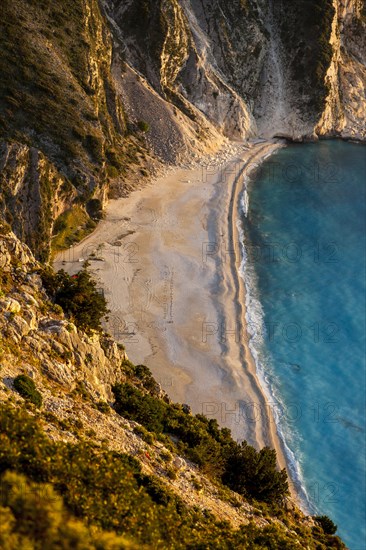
256 331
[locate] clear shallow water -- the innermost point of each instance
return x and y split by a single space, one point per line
304 268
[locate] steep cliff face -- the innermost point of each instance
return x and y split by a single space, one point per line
294 69
298 57
58 102
151 44
165 43
345 109
209 88
33 194
60 96
298 65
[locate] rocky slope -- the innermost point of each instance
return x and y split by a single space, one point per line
102 93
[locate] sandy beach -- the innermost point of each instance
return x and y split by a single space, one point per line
168 259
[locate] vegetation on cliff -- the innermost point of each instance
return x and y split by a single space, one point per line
78 296
246 471
56 92
26 387
61 495
64 135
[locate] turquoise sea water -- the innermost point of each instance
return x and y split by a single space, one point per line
304 268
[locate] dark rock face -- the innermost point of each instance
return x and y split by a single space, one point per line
33 194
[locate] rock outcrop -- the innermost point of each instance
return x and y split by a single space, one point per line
37 338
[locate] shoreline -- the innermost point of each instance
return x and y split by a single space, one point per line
266 427
240 300
168 258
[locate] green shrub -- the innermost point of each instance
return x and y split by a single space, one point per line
78 296
112 171
113 157
326 524
144 374
196 484
245 470
81 390
254 474
143 126
33 515
103 407
133 405
59 225
171 473
94 208
27 389
144 434
166 456
59 311
128 367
